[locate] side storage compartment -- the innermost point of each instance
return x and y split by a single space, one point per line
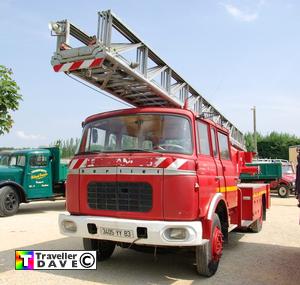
255 201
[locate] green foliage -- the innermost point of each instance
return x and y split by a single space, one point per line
68 147
273 145
9 99
249 141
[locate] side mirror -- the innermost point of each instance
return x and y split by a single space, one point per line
94 135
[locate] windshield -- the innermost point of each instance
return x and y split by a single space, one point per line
141 132
4 159
17 160
287 169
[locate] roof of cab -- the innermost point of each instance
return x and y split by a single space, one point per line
131 111
30 150
162 110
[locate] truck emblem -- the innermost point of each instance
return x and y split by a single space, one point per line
38 174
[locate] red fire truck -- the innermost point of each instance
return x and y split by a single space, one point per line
162 174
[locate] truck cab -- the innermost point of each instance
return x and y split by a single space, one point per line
31 174
157 177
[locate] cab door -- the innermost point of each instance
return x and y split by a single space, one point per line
229 170
220 180
206 167
38 176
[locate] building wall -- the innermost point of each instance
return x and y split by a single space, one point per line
293 154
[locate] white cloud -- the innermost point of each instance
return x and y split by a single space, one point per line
24 136
239 14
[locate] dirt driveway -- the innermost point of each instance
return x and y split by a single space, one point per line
270 257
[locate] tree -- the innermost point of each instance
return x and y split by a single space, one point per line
68 147
273 145
249 141
9 99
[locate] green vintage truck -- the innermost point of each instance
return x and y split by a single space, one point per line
30 175
278 173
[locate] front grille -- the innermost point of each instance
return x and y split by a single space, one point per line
120 196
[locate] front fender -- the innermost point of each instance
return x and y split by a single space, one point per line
208 220
20 189
213 205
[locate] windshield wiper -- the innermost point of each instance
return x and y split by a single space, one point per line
89 152
139 150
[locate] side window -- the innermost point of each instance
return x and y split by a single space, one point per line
97 139
13 160
203 138
223 146
21 160
38 160
213 142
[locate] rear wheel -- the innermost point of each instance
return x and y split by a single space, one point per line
209 254
283 191
9 201
104 248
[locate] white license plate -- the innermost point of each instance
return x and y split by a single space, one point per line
116 232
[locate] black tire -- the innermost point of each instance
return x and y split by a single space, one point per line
104 248
9 201
283 191
207 265
256 227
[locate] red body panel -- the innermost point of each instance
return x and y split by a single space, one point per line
72 194
208 182
252 196
180 198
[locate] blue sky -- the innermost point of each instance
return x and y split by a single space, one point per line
236 53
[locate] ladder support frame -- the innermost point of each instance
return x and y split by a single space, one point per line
159 84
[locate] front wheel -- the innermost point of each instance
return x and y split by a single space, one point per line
209 254
283 191
9 201
104 248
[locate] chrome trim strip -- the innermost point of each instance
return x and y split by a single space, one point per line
73 171
139 171
99 170
179 172
132 171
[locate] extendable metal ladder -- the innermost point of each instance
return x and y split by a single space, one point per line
120 63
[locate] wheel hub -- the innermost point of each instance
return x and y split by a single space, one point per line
282 190
10 201
217 244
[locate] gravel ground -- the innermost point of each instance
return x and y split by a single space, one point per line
269 257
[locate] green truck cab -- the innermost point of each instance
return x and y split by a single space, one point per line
30 175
